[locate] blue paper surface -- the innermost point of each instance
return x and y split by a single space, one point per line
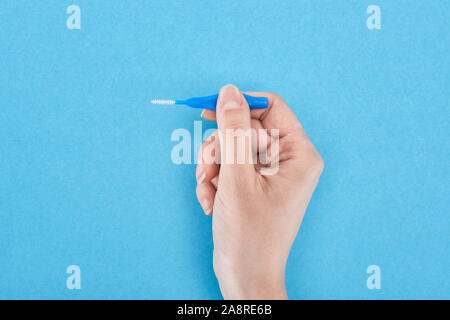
86 176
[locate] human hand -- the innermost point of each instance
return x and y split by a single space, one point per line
256 216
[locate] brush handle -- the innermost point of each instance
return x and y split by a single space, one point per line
210 102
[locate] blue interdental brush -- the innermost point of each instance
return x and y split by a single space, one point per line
210 102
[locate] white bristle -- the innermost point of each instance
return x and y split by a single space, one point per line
157 101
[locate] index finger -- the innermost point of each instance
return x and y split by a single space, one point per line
277 115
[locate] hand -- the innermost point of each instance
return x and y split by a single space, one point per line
256 216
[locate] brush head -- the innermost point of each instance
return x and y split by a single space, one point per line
157 101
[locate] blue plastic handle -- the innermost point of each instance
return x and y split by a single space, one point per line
210 102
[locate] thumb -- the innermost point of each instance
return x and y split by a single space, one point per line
233 122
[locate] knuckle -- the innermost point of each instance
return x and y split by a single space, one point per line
277 98
198 190
319 164
316 165
235 120
201 191
312 164
235 123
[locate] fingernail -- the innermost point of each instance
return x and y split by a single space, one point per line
201 114
201 178
206 206
229 97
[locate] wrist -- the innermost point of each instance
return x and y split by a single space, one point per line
254 282
254 288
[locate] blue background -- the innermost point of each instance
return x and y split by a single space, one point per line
86 176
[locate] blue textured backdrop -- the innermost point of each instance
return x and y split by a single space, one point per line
86 176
